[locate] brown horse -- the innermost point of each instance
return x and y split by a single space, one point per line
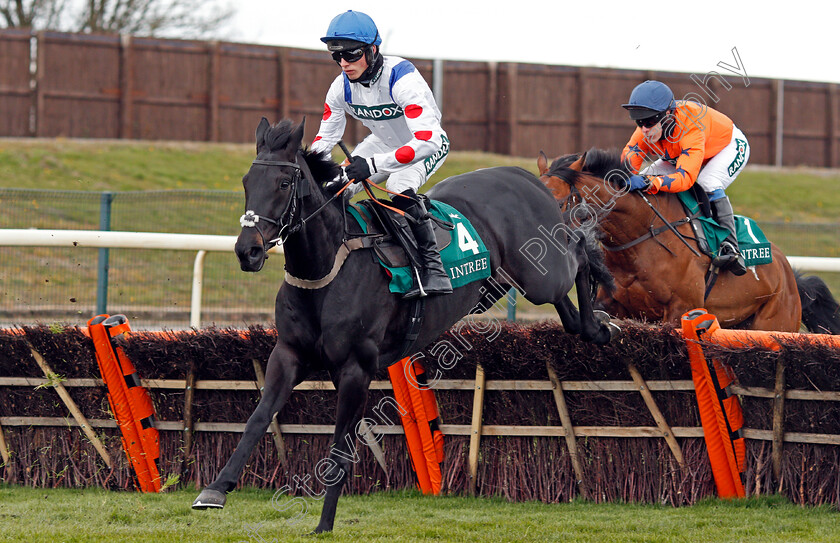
658 278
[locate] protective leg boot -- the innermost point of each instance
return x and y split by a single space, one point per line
729 256
433 277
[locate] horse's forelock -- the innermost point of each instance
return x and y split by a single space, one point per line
277 136
561 168
599 162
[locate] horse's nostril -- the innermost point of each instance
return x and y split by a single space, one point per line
255 252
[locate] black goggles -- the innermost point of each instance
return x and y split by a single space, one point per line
350 55
650 122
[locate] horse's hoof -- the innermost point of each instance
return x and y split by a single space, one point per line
601 316
210 499
614 329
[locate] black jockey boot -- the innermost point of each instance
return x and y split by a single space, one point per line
433 277
729 257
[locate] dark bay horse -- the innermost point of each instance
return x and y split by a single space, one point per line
345 320
659 279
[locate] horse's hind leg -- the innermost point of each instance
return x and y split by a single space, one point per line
353 383
282 374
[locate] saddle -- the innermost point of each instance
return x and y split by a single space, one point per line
394 248
392 240
709 234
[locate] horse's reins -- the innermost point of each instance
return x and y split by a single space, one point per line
669 225
367 183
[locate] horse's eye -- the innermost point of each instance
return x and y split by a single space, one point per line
284 184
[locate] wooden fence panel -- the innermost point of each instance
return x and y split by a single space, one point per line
600 93
752 109
142 88
15 92
249 87
805 124
467 106
171 82
545 109
78 86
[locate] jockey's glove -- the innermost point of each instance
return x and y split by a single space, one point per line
360 168
639 182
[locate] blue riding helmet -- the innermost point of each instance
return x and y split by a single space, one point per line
354 26
648 99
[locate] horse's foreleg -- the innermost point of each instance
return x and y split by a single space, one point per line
353 383
282 374
592 328
569 316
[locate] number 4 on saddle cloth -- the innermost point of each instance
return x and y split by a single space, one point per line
751 240
464 256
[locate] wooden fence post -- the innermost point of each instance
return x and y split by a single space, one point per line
40 70
583 114
72 407
491 145
275 426
283 83
778 423
126 118
831 129
475 426
569 431
189 425
214 61
4 449
667 433
777 121
513 106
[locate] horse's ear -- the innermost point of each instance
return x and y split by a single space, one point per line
578 164
542 163
297 135
261 129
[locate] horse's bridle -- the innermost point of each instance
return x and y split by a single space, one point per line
290 220
287 217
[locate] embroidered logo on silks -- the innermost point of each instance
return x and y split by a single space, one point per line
433 160
385 112
740 158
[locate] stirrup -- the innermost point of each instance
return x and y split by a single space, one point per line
730 259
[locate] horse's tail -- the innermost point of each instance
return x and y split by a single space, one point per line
599 274
820 311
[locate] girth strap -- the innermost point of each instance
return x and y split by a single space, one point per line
343 251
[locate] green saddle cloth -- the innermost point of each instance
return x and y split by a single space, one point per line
751 240
465 259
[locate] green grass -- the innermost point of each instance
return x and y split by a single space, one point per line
792 195
66 515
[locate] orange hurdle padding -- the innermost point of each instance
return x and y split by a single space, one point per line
420 422
720 411
130 402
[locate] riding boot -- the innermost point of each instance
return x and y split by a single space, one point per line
433 277
729 256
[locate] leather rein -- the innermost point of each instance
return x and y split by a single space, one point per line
651 233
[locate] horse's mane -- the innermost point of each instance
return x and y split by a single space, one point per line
599 162
323 168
